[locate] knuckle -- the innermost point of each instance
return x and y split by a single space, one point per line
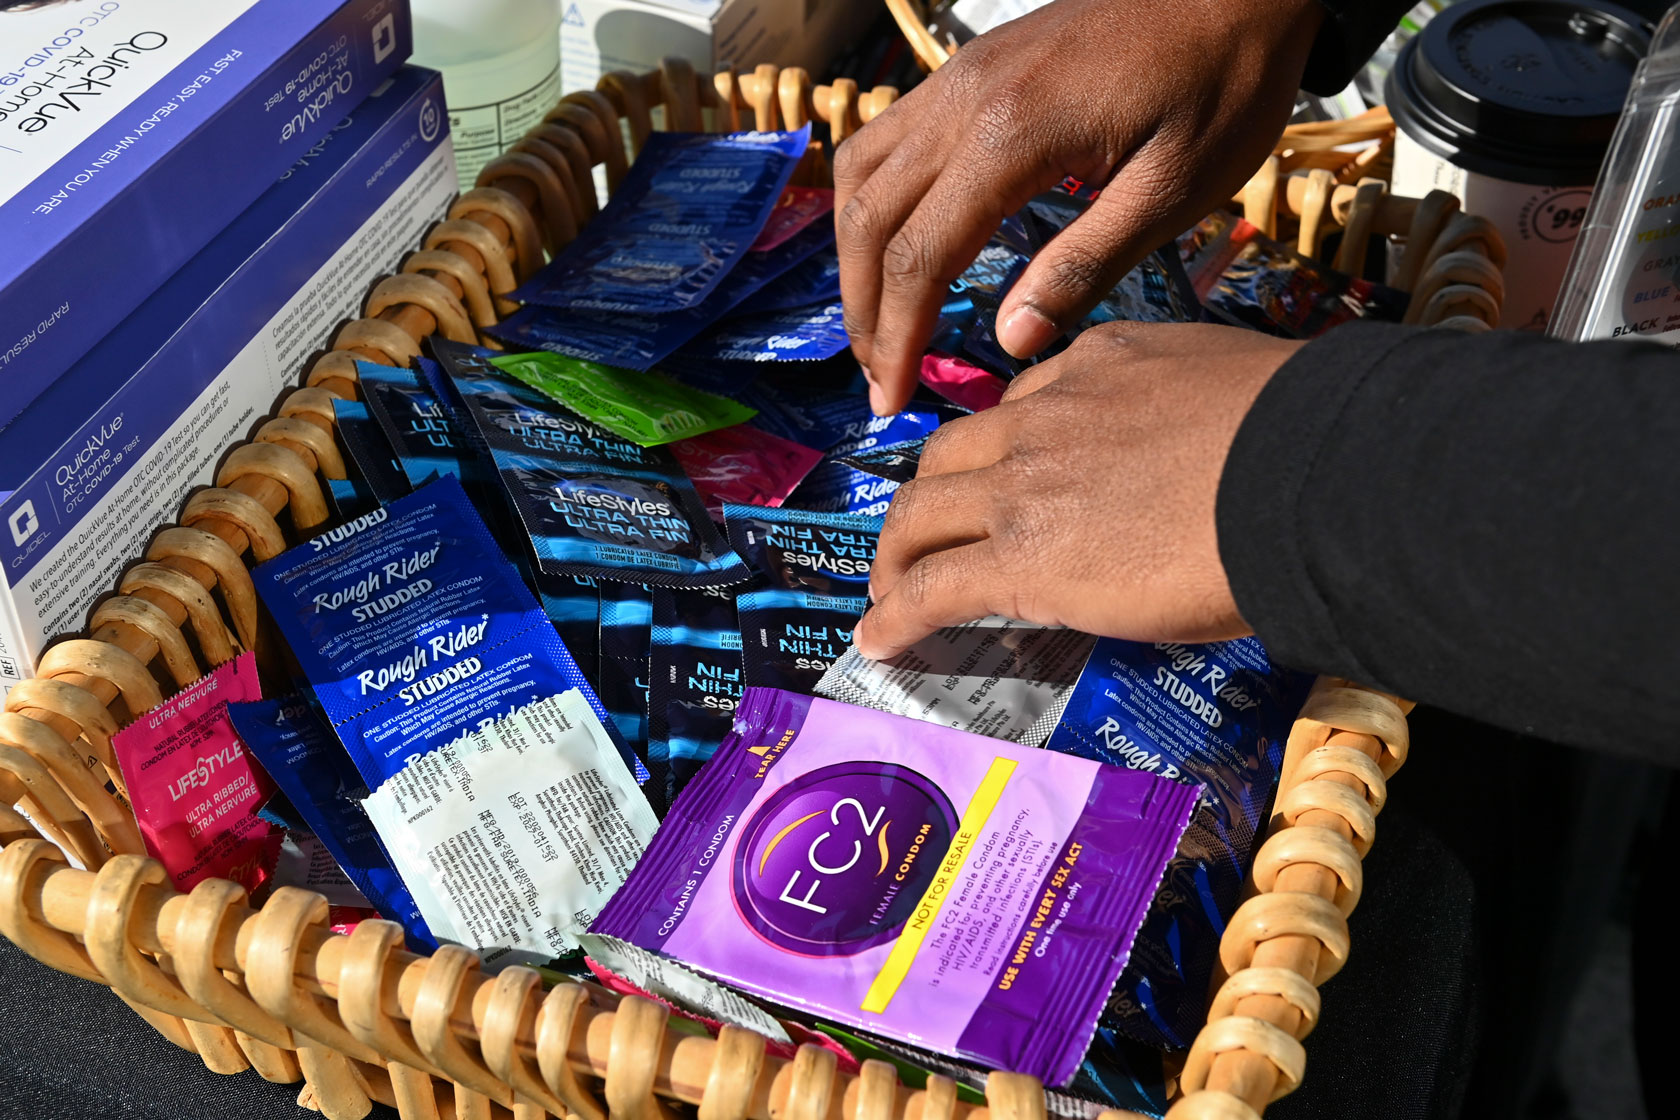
1006 116
858 225
915 590
908 256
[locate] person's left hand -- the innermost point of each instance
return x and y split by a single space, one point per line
1086 499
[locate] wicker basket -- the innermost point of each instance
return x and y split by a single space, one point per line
357 1018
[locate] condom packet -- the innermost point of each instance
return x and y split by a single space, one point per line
798 334
305 862
694 680
816 279
298 751
961 383
573 605
994 677
814 568
644 408
622 673
895 462
689 208
836 487
1245 278
1019 879
194 791
415 424
412 629
796 210
639 341
365 443
592 504
1215 716
745 465
512 836
820 419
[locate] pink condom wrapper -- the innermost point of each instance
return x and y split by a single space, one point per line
743 465
797 208
957 893
962 384
194 789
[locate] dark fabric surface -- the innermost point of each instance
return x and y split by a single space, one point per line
1485 524
70 1050
1400 1021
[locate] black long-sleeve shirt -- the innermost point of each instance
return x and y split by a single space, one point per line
1351 30
1486 523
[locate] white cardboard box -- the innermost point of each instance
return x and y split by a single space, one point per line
598 36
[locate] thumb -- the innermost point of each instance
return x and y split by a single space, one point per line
1083 263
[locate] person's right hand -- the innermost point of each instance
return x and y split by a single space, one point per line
1170 103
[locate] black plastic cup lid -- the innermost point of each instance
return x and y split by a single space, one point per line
1524 90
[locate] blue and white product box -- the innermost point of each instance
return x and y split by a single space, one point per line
210 353
133 131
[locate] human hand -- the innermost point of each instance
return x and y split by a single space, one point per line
1172 104
1086 499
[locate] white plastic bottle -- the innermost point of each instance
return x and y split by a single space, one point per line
501 70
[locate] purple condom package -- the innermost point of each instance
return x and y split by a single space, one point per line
957 893
691 206
1214 716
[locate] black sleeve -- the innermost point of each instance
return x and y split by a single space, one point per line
1489 524
1352 29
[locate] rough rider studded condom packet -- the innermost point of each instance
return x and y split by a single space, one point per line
1215 715
299 752
630 341
592 504
816 567
796 334
412 629
691 205
513 836
963 894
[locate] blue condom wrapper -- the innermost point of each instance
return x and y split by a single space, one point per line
573 605
689 209
799 334
819 420
299 752
416 424
626 612
632 341
694 680
364 441
1217 715
837 487
592 504
815 568
413 631
350 497
815 280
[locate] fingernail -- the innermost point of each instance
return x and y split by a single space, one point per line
860 636
877 395
1025 332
